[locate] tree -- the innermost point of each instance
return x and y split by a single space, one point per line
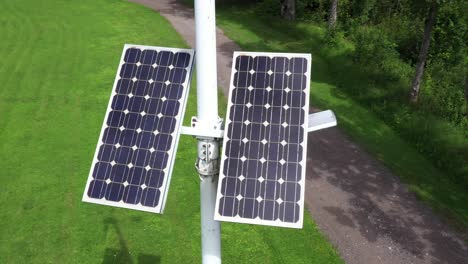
422 58
332 14
288 9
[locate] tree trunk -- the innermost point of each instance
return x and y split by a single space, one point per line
430 21
288 9
466 89
332 14
466 95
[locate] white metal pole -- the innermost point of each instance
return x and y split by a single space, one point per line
210 229
207 87
207 117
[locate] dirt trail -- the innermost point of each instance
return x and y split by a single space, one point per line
360 206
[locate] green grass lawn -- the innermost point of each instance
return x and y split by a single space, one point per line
253 33
58 64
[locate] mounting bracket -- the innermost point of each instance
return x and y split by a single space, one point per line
208 136
201 130
315 121
321 120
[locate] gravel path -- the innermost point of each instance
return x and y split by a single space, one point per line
360 206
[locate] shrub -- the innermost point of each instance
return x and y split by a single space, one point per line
372 46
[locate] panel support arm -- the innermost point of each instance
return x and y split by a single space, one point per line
316 121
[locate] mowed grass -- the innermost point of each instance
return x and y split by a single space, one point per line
58 65
254 33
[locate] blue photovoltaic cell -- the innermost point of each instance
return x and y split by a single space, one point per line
262 167
136 149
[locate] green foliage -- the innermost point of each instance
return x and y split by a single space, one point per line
443 93
386 36
405 32
311 10
373 46
451 35
268 8
437 127
306 10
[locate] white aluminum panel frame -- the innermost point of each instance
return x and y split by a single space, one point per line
321 120
258 221
176 134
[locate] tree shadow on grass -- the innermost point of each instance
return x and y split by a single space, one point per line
122 255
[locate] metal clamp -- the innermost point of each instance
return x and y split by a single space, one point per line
207 163
208 136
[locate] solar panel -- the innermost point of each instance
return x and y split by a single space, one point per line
134 157
264 150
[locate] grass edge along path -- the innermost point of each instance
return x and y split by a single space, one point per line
254 33
59 62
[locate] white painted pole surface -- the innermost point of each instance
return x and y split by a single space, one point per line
207 87
210 229
207 115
